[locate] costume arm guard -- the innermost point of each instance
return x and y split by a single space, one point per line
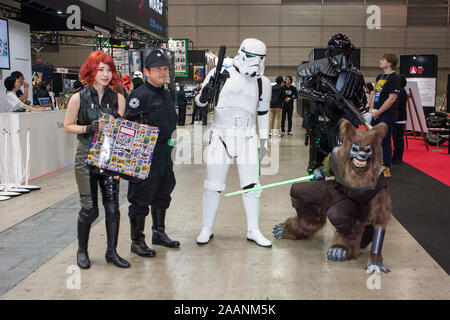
378 239
205 82
263 109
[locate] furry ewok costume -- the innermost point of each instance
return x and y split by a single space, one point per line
357 201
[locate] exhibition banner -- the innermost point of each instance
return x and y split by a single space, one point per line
179 48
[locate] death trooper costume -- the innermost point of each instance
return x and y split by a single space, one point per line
325 110
244 97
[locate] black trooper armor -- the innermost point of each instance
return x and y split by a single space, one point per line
325 109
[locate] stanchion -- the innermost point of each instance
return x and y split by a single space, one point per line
5 171
27 165
16 185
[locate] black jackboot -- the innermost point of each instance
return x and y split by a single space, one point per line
138 244
159 236
112 234
83 230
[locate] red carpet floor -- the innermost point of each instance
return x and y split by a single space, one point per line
435 164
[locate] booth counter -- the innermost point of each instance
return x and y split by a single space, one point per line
51 148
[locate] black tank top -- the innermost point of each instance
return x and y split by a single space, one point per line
90 109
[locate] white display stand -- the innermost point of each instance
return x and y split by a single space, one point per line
51 147
413 118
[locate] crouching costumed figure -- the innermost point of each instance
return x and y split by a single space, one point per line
356 201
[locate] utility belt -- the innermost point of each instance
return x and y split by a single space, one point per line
169 142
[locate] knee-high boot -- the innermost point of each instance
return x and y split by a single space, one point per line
112 234
138 245
83 230
159 236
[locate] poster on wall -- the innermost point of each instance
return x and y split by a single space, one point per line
199 73
179 48
4 45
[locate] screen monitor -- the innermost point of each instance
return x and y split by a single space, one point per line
4 45
46 103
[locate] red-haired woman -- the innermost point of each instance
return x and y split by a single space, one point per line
82 118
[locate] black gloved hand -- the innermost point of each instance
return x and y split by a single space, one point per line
116 115
93 127
207 93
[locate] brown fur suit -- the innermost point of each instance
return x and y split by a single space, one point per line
356 206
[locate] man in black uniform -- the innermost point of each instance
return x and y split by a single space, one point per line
289 95
151 104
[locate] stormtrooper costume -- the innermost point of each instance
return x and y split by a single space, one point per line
244 97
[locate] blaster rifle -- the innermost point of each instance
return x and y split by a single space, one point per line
350 108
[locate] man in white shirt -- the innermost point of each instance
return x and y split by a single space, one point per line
13 103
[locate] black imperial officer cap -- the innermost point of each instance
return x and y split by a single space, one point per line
156 59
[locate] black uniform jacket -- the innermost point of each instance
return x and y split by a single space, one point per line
154 106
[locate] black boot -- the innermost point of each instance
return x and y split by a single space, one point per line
138 244
112 234
83 230
159 236
367 236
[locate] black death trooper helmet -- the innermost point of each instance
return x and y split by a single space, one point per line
340 50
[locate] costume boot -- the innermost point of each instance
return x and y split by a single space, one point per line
83 230
211 201
112 234
367 236
159 236
251 205
138 244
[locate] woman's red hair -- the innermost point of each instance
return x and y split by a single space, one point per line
90 67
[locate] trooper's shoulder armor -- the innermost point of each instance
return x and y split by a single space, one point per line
322 66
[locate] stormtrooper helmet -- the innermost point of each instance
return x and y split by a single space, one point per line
138 74
250 58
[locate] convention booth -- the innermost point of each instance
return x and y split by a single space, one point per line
423 70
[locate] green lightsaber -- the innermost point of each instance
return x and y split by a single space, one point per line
307 178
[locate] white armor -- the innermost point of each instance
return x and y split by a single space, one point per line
234 137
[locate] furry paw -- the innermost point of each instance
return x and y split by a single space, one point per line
337 254
278 231
371 268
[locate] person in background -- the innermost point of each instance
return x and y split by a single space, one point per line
82 119
126 82
195 108
44 90
22 95
290 93
398 132
181 102
13 103
136 83
370 91
276 105
384 108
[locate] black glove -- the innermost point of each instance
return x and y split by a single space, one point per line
116 115
207 93
93 127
